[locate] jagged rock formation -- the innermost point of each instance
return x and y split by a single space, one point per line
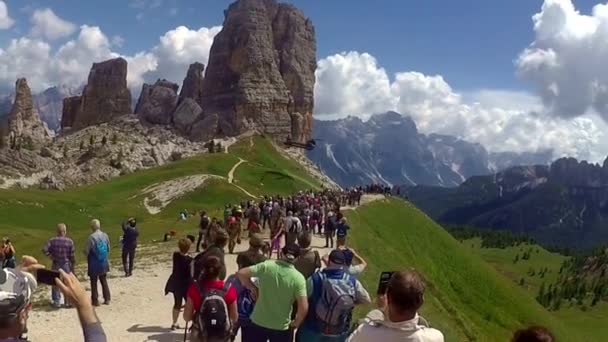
193 83
157 102
25 129
205 129
50 104
261 70
104 98
186 113
71 107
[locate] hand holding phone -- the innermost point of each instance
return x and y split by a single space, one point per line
385 277
44 276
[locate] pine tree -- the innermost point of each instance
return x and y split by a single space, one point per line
521 282
114 139
541 294
516 259
66 151
91 140
104 140
81 145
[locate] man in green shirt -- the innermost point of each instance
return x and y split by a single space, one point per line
279 286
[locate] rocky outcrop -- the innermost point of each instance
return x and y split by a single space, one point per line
50 104
186 113
193 83
205 129
71 106
105 96
25 128
261 70
157 102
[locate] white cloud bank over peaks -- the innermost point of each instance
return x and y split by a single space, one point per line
567 59
353 83
68 64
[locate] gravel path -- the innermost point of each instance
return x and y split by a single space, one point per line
139 310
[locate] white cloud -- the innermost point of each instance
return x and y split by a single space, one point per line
567 59
47 24
117 41
6 21
353 84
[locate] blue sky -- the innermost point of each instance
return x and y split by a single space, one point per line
513 75
472 43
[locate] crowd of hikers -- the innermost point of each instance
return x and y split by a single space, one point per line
284 289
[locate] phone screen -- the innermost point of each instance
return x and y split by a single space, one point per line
47 276
383 282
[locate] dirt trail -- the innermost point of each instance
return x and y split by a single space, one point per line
139 310
231 172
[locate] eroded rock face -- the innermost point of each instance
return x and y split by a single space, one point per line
105 96
261 70
157 102
71 106
205 129
186 113
193 83
25 128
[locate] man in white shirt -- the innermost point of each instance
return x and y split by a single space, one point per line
398 319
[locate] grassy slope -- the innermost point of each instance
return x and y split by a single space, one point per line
467 299
29 216
591 323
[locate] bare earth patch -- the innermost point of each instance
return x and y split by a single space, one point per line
162 194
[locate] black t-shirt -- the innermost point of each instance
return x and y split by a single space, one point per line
211 251
181 271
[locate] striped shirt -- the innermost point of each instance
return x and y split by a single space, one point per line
60 249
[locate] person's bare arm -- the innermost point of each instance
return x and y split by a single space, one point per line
233 312
301 313
325 259
189 310
244 276
360 259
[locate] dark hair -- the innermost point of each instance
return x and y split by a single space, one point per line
533 334
221 238
405 291
304 240
211 267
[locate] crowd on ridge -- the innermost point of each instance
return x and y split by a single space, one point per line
297 294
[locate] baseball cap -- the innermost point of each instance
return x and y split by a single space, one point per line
291 252
337 257
16 289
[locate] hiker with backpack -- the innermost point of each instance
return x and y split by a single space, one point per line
309 260
333 295
279 286
97 250
342 229
397 317
330 229
215 249
292 227
211 304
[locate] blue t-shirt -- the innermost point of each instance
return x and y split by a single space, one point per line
342 230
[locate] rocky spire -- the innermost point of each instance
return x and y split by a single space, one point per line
25 128
261 70
104 98
193 83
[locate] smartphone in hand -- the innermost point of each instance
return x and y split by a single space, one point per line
383 282
47 277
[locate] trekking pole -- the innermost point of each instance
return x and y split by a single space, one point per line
186 332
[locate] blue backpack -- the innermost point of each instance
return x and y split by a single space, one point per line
245 302
101 251
333 303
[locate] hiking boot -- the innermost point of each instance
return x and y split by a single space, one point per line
107 302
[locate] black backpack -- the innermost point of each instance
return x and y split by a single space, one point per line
212 319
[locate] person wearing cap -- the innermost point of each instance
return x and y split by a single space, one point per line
16 289
279 286
335 274
61 251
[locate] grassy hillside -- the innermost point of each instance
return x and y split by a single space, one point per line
590 321
29 217
466 298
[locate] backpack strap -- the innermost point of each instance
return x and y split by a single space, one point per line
317 289
317 260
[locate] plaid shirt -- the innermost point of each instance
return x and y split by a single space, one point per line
60 249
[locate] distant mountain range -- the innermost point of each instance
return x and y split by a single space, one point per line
564 204
389 149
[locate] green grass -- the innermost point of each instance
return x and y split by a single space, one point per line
466 298
590 323
29 216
